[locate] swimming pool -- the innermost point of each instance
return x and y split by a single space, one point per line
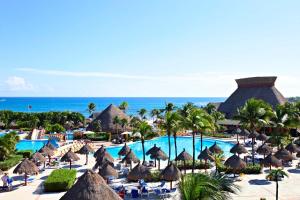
33 145
182 142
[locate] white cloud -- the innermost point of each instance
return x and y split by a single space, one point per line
15 83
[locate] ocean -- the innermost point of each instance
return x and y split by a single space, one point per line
79 104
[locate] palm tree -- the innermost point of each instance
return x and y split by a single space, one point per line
210 108
123 106
144 128
91 107
169 107
168 124
123 123
155 113
206 186
276 174
197 120
116 122
254 113
142 113
176 126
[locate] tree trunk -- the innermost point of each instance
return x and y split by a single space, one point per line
143 150
201 139
237 137
25 178
158 164
252 151
276 189
205 162
193 152
169 142
70 164
184 165
155 162
175 144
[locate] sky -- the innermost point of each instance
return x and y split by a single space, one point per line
154 48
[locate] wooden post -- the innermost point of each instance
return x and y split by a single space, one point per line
25 177
70 164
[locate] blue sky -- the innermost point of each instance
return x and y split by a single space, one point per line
146 48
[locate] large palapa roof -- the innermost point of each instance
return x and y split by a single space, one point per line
254 87
106 118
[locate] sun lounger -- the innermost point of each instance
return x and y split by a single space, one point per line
145 192
134 193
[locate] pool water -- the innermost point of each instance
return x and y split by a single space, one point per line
33 145
182 142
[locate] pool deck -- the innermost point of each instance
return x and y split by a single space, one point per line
253 187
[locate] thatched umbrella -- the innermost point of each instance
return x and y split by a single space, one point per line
264 149
253 134
125 149
171 173
235 162
50 146
245 133
215 149
26 167
271 160
292 148
139 172
262 137
86 149
99 151
90 186
105 155
152 151
106 170
283 154
237 131
159 155
46 151
38 157
129 158
70 156
238 149
206 155
184 156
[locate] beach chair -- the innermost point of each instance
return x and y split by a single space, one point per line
144 191
134 193
159 193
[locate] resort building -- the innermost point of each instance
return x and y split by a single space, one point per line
254 87
106 119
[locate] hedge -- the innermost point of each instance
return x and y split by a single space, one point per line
10 162
250 169
60 180
98 136
25 153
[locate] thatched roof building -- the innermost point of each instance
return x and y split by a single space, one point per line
106 118
255 87
90 186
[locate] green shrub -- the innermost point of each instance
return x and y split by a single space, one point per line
60 180
198 165
10 162
217 135
97 136
155 176
250 169
55 128
25 153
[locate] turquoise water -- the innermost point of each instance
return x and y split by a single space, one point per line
79 104
182 142
33 145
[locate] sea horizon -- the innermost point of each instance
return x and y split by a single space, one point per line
79 104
